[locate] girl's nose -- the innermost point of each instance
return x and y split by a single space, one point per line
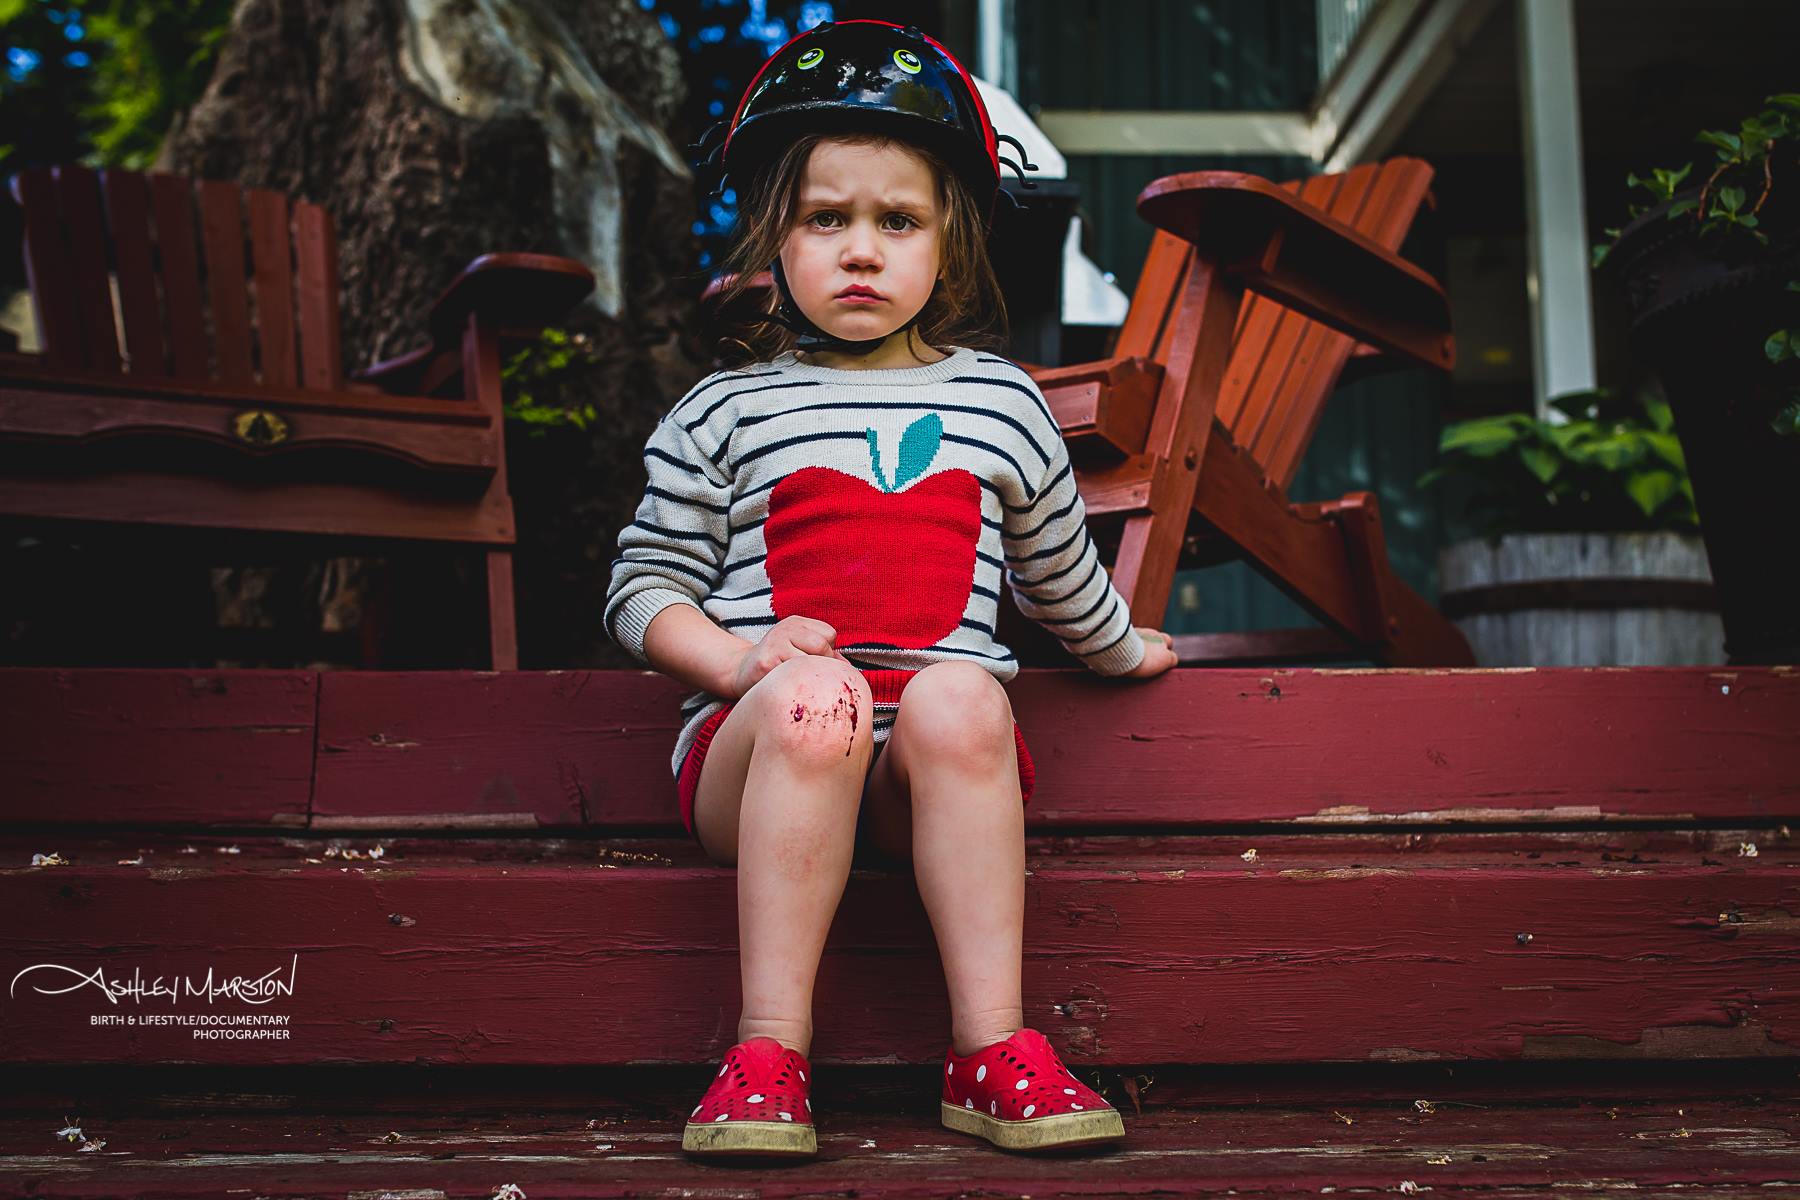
862 248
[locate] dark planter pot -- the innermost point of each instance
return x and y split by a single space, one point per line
1702 309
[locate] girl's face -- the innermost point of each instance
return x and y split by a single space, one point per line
868 220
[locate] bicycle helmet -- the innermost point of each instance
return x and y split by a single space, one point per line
858 76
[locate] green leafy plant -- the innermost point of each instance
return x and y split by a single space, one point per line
1745 164
1783 346
533 380
1615 465
100 81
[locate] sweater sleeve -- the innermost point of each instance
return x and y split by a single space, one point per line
1056 575
674 549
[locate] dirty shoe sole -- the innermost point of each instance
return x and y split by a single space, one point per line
774 1138
1044 1133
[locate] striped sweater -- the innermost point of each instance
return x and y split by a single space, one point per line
889 503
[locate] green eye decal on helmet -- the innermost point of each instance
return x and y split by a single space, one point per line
907 61
813 58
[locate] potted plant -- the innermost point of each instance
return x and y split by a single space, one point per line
1584 546
1711 272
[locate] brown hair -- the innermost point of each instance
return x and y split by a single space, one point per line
964 309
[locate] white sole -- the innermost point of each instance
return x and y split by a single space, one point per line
1038 1133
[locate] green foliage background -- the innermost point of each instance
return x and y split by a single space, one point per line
148 60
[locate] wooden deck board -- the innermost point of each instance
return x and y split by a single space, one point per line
1402 951
174 747
1192 749
310 1133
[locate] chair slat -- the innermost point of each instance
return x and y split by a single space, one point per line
1153 300
1266 345
172 200
128 208
1410 183
47 268
78 195
1293 186
222 227
1384 217
271 248
1165 340
1261 320
320 355
1301 338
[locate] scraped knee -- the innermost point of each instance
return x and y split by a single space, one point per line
816 711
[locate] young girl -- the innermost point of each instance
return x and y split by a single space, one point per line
820 552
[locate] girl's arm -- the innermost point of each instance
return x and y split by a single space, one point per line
1056 575
684 643
673 554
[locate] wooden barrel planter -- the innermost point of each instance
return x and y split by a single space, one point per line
1583 599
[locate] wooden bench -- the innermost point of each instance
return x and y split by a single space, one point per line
1520 931
212 394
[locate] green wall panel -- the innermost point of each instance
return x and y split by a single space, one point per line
1228 55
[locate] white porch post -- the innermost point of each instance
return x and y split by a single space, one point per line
997 51
1556 264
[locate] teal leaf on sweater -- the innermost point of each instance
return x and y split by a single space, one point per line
918 446
875 463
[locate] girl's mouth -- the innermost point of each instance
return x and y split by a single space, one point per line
860 298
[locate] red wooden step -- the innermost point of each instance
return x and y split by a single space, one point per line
1342 947
1697 1130
1192 749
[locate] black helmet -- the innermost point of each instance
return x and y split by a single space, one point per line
858 76
862 76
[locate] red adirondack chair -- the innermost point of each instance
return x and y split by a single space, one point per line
1186 439
225 405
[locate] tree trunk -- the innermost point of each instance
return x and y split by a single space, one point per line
435 131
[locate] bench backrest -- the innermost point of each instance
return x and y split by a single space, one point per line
1283 365
214 281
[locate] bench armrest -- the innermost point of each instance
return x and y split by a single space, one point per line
1286 249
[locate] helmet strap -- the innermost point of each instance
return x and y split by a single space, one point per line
812 338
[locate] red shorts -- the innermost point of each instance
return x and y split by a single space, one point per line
885 687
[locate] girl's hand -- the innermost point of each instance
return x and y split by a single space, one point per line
1159 653
791 637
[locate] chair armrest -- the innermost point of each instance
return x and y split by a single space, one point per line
1286 249
522 293
520 290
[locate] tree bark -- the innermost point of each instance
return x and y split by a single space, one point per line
435 131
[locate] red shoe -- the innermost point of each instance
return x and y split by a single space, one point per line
760 1102
1018 1095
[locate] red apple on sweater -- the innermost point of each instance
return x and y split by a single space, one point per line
882 565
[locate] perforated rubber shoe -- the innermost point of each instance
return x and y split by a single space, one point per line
1018 1095
759 1103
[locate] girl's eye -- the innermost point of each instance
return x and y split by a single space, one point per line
822 219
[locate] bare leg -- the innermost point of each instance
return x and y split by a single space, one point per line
778 796
945 792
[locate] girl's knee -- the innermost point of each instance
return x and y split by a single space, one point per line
816 709
959 710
